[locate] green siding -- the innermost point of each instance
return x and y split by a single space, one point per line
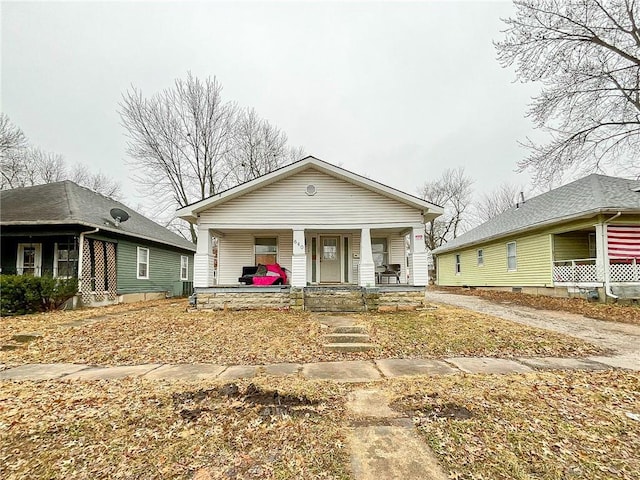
164 269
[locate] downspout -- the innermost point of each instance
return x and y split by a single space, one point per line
607 284
82 234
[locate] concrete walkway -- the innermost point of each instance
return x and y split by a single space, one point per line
346 371
622 339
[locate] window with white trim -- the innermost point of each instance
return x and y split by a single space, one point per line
184 267
512 260
65 259
143 263
480 257
29 261
457 264
266 250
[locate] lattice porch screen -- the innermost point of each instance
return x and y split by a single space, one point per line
99 272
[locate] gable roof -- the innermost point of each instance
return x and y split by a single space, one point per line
585 197
190 212
66 203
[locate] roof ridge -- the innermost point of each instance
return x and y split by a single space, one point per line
67 192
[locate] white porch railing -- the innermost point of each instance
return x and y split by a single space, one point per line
580 270
583 270
624 270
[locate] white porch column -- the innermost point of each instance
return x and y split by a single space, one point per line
367 271
418 258
203 260
298 260
601 252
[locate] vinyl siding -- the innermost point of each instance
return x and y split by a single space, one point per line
285 203
164 269
397 254
236 250
571 246
533 264
534 258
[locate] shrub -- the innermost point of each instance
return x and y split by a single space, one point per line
21 294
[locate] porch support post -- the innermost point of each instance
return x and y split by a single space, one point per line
601 253
418 258
203 260
299 260
367 271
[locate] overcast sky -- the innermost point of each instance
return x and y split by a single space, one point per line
395 91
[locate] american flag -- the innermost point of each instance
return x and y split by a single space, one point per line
624 241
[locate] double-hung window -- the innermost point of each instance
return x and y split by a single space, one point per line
457 264
65 260
480 257
266 250
143 263
184 267
512 261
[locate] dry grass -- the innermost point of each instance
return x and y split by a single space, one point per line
450 331
165 333
614 312
136 429
547 426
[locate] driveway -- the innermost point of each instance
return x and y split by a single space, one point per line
622 339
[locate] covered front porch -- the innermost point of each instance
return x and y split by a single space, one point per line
600 257
364 256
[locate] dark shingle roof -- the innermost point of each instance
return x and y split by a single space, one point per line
66 203
588 195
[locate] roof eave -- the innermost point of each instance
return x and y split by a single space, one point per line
548 223
101 227
190 212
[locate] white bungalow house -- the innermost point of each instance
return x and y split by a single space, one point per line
322 223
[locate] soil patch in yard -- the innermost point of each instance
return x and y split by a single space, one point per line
168 334
599 311
268 429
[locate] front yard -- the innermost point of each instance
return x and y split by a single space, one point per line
547 426
164 332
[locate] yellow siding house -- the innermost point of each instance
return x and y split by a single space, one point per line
580 239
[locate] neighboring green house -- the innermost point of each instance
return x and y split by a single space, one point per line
65 230
576 239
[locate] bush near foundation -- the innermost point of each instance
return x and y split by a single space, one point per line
22 294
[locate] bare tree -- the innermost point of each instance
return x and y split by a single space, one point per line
258 147
178 140
586 54
453 192
96 181
497 201
25 166
188 144
13 144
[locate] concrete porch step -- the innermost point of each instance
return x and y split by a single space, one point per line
346 338
349 347
350 329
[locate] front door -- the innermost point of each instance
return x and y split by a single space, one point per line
330 259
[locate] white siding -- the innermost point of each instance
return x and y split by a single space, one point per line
335 203
236 250
397 254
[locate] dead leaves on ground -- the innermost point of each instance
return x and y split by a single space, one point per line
166 333
599 311
137 429
546 426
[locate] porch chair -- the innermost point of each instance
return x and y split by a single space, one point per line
391 271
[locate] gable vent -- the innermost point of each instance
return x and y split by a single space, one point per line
311 190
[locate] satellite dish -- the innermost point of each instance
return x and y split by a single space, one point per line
119 215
